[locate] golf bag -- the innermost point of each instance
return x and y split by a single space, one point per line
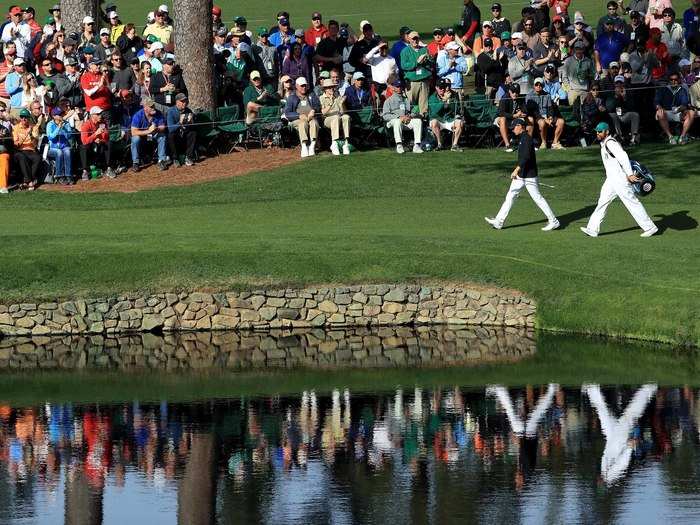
647 184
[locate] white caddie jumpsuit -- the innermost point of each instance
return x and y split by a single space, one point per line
617 169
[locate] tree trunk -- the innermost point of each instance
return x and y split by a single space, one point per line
194 51
73 12
196 497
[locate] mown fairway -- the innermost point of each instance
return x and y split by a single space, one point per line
379 217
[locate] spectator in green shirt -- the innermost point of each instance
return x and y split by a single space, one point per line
256 96
443 110
416 65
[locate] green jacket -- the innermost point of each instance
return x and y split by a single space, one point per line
250 94
443 111
414 71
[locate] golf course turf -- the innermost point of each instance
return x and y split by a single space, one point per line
380 217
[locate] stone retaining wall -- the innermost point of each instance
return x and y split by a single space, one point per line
331 307
309 347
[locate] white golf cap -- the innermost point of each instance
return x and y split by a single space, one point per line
486 23
113 14
358 75
88 20
156 45
301 81
95 110
104 31
683 62
517 35
18 62
163 8
452 45
363 24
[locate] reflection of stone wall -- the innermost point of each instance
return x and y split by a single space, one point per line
311 347
373 305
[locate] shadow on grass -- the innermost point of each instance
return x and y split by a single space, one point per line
564 220
679 220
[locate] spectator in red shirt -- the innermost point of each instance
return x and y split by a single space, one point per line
658 48
6 67
94 143
28 15
316 32
437 44
95 86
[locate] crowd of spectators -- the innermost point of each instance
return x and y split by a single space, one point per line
74 102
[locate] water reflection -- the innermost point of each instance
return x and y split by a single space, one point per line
360 347
507 455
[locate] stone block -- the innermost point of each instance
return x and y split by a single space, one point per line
257 301
319 320
224 322
276 302
288 313
6 319
342 298
267 313
25 322
328 307
336 318
152 322
392 307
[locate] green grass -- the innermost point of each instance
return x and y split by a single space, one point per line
386 18
379 217
565 360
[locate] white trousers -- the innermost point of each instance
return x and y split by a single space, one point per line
533 188
416 125
624 191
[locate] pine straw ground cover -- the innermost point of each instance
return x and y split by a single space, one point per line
379 217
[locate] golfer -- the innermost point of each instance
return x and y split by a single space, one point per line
619 176
524 176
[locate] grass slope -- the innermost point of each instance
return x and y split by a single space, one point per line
379 217
565 360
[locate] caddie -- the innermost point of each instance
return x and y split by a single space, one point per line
524 176
618 183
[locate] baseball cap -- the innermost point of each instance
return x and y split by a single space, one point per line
169 60
300 81
517 122
602 126
609 20
578 18
56 111
505 35
95 110
221 31
180 96
152 38
453 45
358 75
495 6
619 78
88 50
635 14
413 34
579 45
516 35
488 42
104 31
156 45
363 23
299 33
315 14
88 20
55 7
216 10
668 11
15 11
438 31
254 74
344 33
96 60
551 68
324 74
684 62
240 20
283 22
539 80
163 8
262 31
327 82
557 18
70 61
522 45
25 113
113 14
18 62
123 93
486 23
443 83
148 103
614 64
397 82
284 78
404 30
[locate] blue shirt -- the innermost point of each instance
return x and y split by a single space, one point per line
454 74
610 46
59 137
691 22
13 85
395 52
139 120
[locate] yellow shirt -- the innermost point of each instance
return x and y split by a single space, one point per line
162 32
115 32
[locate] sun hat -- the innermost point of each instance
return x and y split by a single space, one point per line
327 83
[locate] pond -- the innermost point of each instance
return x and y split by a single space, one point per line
429 426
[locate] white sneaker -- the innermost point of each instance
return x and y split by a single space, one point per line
312 148
399 148
334 148
4 191
304 150
509 149
417 148
649 232
553 225
346 148
588 232
493 222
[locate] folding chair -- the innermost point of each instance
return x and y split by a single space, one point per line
232 125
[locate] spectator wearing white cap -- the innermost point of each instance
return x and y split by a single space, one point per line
256 96
19 32
96 147
160 28
153 54
358 94
335 118
116 28
88 36
105 48
486 32
301 111
451 66
382 65
14 84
